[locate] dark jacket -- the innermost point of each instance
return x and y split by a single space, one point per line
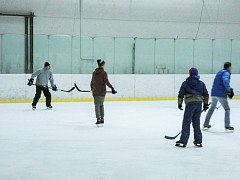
221 84
99 82
193 91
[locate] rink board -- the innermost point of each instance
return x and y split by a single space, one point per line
131 87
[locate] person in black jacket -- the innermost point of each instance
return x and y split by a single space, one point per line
194 92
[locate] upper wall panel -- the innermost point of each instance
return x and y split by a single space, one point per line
129 18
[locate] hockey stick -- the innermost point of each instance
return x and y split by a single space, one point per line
85 90
64 90
174 137
58 89
80 89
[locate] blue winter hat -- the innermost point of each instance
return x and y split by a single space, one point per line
193 72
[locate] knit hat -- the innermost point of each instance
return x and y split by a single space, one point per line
46 64
193 72
100 62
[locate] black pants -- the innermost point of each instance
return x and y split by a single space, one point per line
46 93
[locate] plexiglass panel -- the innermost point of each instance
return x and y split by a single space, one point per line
236 56
122 55
13 54
41 51
144 56
123 63
60 54
83 65
104 49
183 55
164 56
203 56
221 53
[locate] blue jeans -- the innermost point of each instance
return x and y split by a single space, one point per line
192 114
224 103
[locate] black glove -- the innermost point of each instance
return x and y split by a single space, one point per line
30 82
231 93
113 91
180 107
54 88
205 107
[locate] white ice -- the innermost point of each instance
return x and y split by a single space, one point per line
65 144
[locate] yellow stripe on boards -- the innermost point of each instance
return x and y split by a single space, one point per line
88 99
91 99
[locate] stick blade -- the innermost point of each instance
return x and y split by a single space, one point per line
172 137
68 90
169 137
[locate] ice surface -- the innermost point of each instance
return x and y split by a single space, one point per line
65 144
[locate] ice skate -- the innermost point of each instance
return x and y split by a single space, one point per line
197 144
98 123
229 129
205 128
102 122
49 107
180 144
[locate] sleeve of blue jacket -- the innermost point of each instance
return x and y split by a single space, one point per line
181 94
226 80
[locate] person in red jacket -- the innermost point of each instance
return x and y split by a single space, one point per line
98 88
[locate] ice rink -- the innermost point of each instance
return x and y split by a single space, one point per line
65 144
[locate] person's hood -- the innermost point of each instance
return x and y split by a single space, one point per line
193 80
98 71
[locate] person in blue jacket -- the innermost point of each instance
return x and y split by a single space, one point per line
194 93
221 89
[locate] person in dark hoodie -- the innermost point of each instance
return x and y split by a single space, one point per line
221 89
98 88
195 93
